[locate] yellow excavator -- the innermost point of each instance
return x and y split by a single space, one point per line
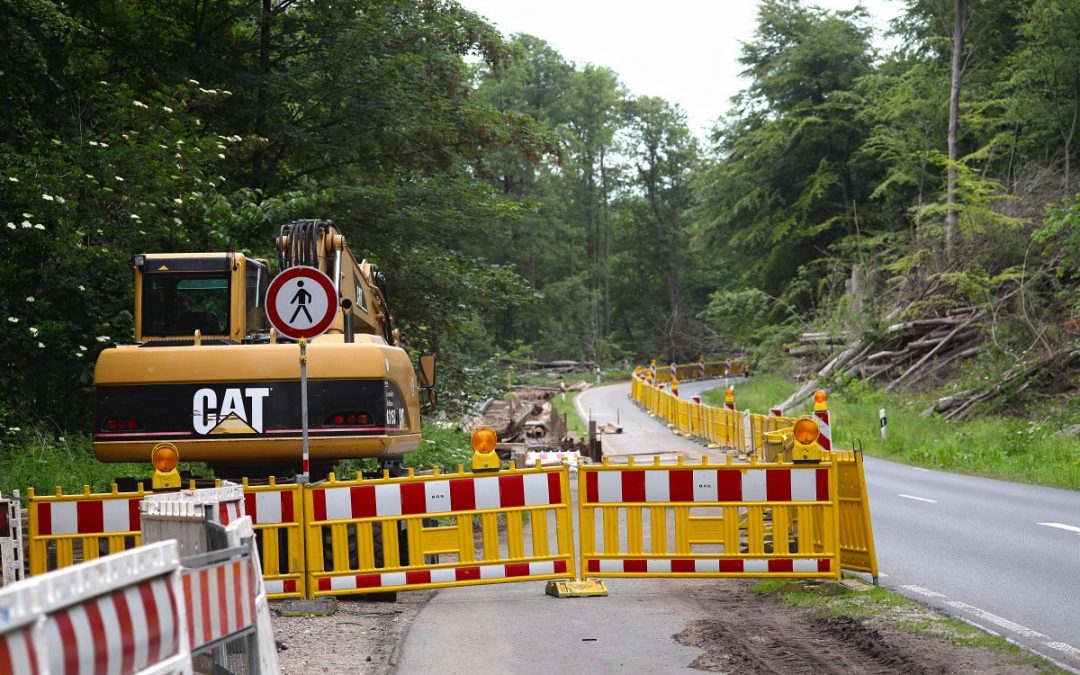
209 380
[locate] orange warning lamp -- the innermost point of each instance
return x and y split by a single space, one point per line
806 431
806 448
821 400
165 457
483 444
729 397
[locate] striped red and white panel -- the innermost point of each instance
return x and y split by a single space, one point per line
17 653
449 575
825 439
269 508
709 566
706 485
276 586
105 516
220 600
122 632
437 496
230 511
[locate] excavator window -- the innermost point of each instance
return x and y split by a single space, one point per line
258 280
178 304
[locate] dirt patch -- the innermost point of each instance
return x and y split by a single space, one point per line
360 637
756 634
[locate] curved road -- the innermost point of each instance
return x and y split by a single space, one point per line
1005 556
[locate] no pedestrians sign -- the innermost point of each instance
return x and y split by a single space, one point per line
301 302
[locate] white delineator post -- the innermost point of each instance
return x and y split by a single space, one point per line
884 424
821 414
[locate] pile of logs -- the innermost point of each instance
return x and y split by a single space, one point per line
909 351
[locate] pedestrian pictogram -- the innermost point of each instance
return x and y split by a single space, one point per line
301 302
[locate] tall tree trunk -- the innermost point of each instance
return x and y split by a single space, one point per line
954 119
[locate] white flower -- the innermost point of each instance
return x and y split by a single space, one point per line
221 156
14 429
119 178
26 224
102 338
139 104
167 109
41 345
163 146
48 198
100 231
60 200
178 221
179 141
103 82
91 176
135 216
27 215
194 82
142 231
82 348
29 298
13 179
39 226
226 92
33 331
11 226
13 319
56 141
78 355
93 143
81 287
220 146
179 201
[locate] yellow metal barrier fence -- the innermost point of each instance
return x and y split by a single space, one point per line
277 514
66 529
371 536
857 550
709 520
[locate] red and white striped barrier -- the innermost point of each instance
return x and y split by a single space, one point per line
220 600
118 614
706 485
697 567
776 412
105 516
436 496
477 573
267 508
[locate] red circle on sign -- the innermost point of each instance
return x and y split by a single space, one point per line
320 324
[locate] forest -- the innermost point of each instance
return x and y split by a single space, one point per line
525 207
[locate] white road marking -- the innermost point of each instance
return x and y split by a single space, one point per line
1060 526
924 591
919 499
995 619
1064 647
919 468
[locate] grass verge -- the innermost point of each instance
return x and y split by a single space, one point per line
898 613
1035 450
575 426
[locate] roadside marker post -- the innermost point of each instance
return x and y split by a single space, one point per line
307 296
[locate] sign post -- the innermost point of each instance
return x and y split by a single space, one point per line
307 297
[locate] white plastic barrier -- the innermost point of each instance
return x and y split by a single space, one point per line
117 614
11 540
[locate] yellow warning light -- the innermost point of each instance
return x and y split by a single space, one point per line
165 457
820 396
730 395
806 431
483 439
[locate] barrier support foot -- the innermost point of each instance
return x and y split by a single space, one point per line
576 589
324 606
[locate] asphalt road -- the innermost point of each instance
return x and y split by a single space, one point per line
1002 555
1005 556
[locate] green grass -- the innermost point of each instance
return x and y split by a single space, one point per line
899 613
1025 450
36 457
575 426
